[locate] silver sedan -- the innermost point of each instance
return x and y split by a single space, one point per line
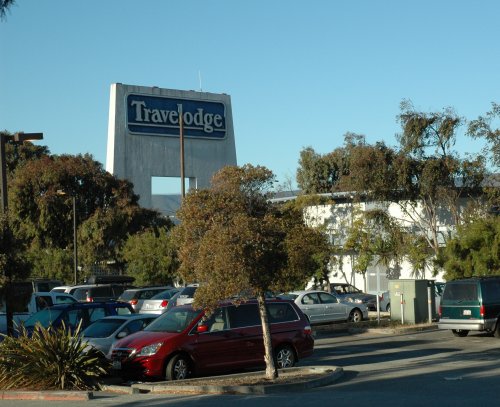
320 306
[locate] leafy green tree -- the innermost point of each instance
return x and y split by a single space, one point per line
474 251
151 257
233 240
13 264
4 7
107 212
484 127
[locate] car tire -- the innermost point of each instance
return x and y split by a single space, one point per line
460 332
285 357
355 316
177 368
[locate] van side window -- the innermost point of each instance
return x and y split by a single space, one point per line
281 312
243 315
490 290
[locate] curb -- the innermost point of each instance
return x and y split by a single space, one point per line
59 395
326 375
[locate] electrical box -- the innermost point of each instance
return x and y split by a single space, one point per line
410 302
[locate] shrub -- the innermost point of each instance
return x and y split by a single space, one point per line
49 359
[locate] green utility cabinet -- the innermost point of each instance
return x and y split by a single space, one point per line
415 298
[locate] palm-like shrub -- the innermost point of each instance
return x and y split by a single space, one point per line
49 359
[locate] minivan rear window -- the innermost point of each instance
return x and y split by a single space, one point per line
460 292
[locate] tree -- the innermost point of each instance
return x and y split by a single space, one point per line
233 240
483 127
4 7
13 264
107 212
151 257
474 251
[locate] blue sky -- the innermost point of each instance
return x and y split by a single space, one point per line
299 73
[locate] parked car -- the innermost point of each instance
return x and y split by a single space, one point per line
159 303
352 294
186 295
73 314
28 306
96 292
137 296
385 301
471 304
320 307
185 342
102 333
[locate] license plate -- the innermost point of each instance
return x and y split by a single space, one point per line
117 365
467 312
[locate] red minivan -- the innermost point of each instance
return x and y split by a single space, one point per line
183 342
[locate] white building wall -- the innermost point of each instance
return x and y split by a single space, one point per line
336 217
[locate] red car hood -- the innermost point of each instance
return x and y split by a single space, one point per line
144 338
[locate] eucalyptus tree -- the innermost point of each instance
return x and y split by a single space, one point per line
236 243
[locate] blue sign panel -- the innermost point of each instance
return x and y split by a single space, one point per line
155 115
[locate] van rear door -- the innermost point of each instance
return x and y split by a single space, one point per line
461 300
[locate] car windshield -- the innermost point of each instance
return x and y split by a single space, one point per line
164 295
103 328
176 320
44 317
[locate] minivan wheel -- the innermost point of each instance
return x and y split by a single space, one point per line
460 332
177 368
285 357
355 316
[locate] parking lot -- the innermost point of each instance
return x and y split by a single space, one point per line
415 369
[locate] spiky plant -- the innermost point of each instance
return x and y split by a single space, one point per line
49 359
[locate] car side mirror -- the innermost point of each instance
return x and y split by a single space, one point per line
121 334
201 329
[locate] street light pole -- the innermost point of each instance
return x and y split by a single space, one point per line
17 138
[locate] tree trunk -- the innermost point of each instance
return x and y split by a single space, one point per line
271 371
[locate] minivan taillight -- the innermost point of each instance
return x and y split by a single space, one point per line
481 311
90 299
440 311
307 330
134 301
164 303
